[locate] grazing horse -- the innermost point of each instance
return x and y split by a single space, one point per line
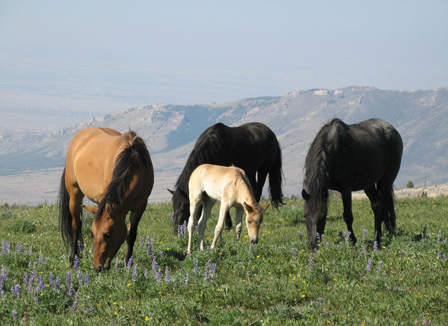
252 147
115 171
362 156
229 185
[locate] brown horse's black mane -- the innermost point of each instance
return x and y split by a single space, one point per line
130 159
316 167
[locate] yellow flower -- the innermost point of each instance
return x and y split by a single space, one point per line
303 295
41 294
258 256
146 318
115 313
115 303
335 279
129 284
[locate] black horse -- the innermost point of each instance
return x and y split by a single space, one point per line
252 147
362 156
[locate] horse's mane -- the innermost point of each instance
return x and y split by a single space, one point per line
132 157
244 178
210 148
316 169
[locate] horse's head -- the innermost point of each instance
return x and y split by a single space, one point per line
181 208
254 218
315 216
109 233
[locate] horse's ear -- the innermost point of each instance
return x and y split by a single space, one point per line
171 191
183 193
90 209
108 208
248 208
305 195
264 207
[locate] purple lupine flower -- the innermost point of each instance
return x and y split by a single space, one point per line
57 284
310 261
440 256
167 275
41 284
363 250
375 246
214 267
76 262
75 303
14 314
87 279
42 260
4 274
79 274
379 268
71 290
130 261
25 278
181 281
15 290
31 280
294 253
68 278
349 233
80 247
171 216
364 234
196 267
439 236
30 265
286 238
19 247
155 269
134 274
187 278
206 272
30 250
51 280
141 241
89 310
2 293
369 265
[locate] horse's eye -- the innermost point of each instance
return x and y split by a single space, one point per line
250 222
107 235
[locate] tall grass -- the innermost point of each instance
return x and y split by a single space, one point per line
277 281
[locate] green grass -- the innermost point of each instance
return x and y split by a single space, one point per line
273 284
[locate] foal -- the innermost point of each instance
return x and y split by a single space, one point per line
229 185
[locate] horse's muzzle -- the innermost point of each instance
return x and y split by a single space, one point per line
253 239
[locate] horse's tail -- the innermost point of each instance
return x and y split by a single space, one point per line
65 217
276 180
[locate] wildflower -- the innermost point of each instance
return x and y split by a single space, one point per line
76 262
25 278
167 275
439 235
369 265
19 247
195 267
80 280
187 278
379 268
155 269
294 253
303 295
141 241
2 293
57 283
14 314
15 290
363 250
364 234
30 250
129 264
310 261
440 256
51 280
375 246
4 274
86 279
134 274
117 261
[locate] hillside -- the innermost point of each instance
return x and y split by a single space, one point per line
171 130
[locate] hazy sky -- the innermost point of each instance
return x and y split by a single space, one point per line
104 56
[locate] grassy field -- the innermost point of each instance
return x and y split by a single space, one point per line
276 282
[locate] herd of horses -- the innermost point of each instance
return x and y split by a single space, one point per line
230 165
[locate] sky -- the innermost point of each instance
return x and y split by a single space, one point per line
98 57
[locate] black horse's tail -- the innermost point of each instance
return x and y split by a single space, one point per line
65 217
276 180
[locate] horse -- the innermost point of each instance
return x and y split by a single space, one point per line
229 185
252 147
362 156
115 171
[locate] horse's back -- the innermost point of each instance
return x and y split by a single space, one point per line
90 160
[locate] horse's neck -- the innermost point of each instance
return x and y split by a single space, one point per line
244 194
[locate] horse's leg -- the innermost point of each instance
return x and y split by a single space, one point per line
258 190
75 210
348 215
134 220
372 194
222 213
194 207
391 223
387 206
207 205
238 221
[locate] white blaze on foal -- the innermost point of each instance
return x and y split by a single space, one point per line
229 185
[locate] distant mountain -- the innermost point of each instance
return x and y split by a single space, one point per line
171 130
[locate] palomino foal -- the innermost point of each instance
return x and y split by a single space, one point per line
229 185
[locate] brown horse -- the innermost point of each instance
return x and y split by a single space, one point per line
115 171
229 185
